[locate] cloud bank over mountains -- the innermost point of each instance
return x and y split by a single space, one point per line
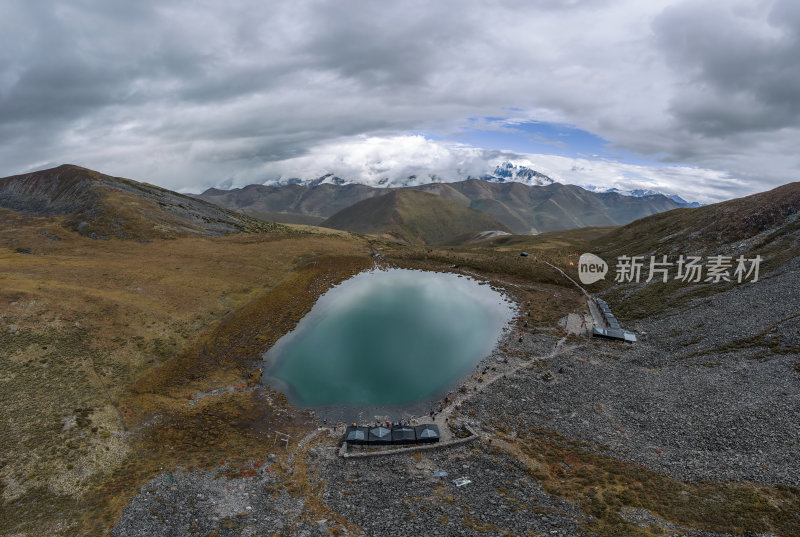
415 160
189 95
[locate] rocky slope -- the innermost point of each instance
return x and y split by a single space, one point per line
100 206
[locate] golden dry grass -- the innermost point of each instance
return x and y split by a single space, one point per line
98 340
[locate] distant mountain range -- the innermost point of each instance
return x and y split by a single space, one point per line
504 172
101 206
520 208
640 193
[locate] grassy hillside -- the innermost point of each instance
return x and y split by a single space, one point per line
412 216
102 339
285 218
764 224
762 220
567 241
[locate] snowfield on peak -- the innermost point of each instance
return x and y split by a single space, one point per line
503 172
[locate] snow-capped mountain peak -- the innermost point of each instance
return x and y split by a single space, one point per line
500 171
507 172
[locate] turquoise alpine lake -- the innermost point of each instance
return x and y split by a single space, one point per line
388 338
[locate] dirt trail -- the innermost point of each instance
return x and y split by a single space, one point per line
582 327
570 279
595 313
299 447
508 283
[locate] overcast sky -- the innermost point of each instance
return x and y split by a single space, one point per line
699 98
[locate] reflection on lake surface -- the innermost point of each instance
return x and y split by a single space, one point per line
387 338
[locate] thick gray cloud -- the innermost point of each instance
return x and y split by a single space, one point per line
741 73
194 94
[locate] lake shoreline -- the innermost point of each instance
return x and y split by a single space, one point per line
370 414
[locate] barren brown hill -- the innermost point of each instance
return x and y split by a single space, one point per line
102 206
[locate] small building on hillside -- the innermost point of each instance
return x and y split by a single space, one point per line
612 328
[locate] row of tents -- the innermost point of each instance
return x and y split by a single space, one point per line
384 436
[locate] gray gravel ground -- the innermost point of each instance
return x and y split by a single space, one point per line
183 504
718 416
399 495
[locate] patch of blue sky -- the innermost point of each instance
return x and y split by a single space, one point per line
497 133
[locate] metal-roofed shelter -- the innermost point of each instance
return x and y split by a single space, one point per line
614 333
613 330
629 337
358 436
403 435
427 434
380 435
